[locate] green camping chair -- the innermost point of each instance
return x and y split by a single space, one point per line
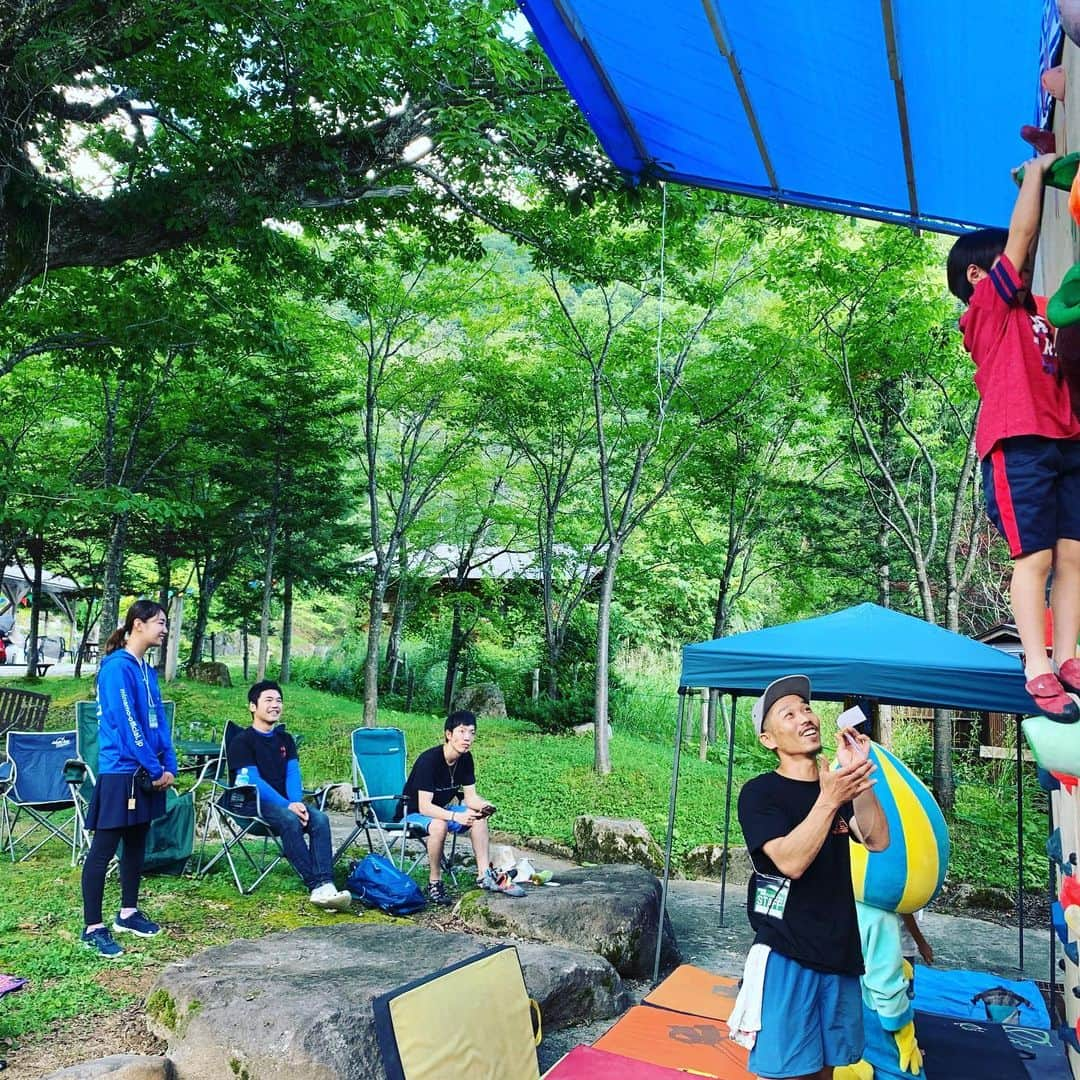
171 839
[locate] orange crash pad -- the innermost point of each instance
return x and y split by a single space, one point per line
694 990
588 1063
677 1041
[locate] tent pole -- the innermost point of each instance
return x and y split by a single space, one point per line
1051 877
670 829
727 804
1020 839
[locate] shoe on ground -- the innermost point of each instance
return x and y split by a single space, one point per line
101 941
136 923
1069 676
499 881
437 894
1050 697
330 898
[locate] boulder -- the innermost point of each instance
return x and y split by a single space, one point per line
212 672
119 1067
339 799
484 699
610 910
588 729
299 1004
987 897
707 861
616 840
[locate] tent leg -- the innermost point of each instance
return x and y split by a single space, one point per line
727 803
670 830
1020 840
1051 877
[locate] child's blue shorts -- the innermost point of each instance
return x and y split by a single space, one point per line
1032 490
808 1020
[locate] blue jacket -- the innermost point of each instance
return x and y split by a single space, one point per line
132 729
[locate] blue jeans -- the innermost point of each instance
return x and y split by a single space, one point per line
313 861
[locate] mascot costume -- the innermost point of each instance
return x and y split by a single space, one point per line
903 878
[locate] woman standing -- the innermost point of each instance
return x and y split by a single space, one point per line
136 764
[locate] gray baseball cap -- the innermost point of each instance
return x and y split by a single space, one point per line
778 688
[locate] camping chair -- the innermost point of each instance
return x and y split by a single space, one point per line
378 779
171 839
248 843
32 783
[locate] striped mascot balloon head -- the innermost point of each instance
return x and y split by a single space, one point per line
908 874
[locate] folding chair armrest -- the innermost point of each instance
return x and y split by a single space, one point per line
76 772
8 771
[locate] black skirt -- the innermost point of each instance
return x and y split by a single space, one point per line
109 803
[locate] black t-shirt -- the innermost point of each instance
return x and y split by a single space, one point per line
430 772
270 754
818 928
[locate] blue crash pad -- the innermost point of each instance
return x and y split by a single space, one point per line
949 993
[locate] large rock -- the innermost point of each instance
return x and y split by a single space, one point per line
616 840
119 1067
299 1004
484 699
707 861
611 910
213 672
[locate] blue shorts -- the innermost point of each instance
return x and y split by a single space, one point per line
808 1020
451 826
1032 490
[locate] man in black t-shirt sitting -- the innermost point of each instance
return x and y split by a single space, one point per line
264 757
438 778
798 821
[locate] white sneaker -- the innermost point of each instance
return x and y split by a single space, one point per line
331 899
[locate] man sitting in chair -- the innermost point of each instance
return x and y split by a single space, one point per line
265 757
438 777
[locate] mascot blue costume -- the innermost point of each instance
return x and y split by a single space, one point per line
903 878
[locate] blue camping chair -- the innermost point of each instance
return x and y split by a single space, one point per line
378 779
33 783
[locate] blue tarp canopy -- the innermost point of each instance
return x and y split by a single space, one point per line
868 651
900 110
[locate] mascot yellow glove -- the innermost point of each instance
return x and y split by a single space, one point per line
909 971
908 1049
861 1070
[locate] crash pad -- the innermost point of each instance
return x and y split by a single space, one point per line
694 990
588 1063
950 993
677 1041
954 1048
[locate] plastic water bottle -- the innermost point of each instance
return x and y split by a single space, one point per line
242 777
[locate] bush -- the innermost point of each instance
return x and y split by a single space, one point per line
558 716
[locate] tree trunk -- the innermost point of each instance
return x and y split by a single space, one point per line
884 570
602 751
286 628
944 782
202 617
114 569
457 641
397 626
244 635
164 569
268 592
371 657
32 648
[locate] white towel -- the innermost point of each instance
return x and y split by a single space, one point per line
745 1019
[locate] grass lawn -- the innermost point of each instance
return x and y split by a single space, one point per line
540 783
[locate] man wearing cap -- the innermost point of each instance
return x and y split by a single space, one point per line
797 821
438 778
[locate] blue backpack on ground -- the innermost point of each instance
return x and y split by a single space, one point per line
376 881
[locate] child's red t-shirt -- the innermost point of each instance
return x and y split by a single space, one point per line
1017 372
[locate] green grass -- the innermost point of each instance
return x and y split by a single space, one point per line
540 783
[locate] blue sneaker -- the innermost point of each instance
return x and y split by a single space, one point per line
101 940
136 923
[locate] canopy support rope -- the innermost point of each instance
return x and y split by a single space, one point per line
723 43
683 691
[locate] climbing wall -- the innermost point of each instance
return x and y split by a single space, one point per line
1059 240
1063 846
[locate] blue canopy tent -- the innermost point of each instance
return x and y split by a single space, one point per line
905 111
865 651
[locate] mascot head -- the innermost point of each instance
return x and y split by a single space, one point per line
908 874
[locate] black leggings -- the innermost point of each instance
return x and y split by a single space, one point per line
102 849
